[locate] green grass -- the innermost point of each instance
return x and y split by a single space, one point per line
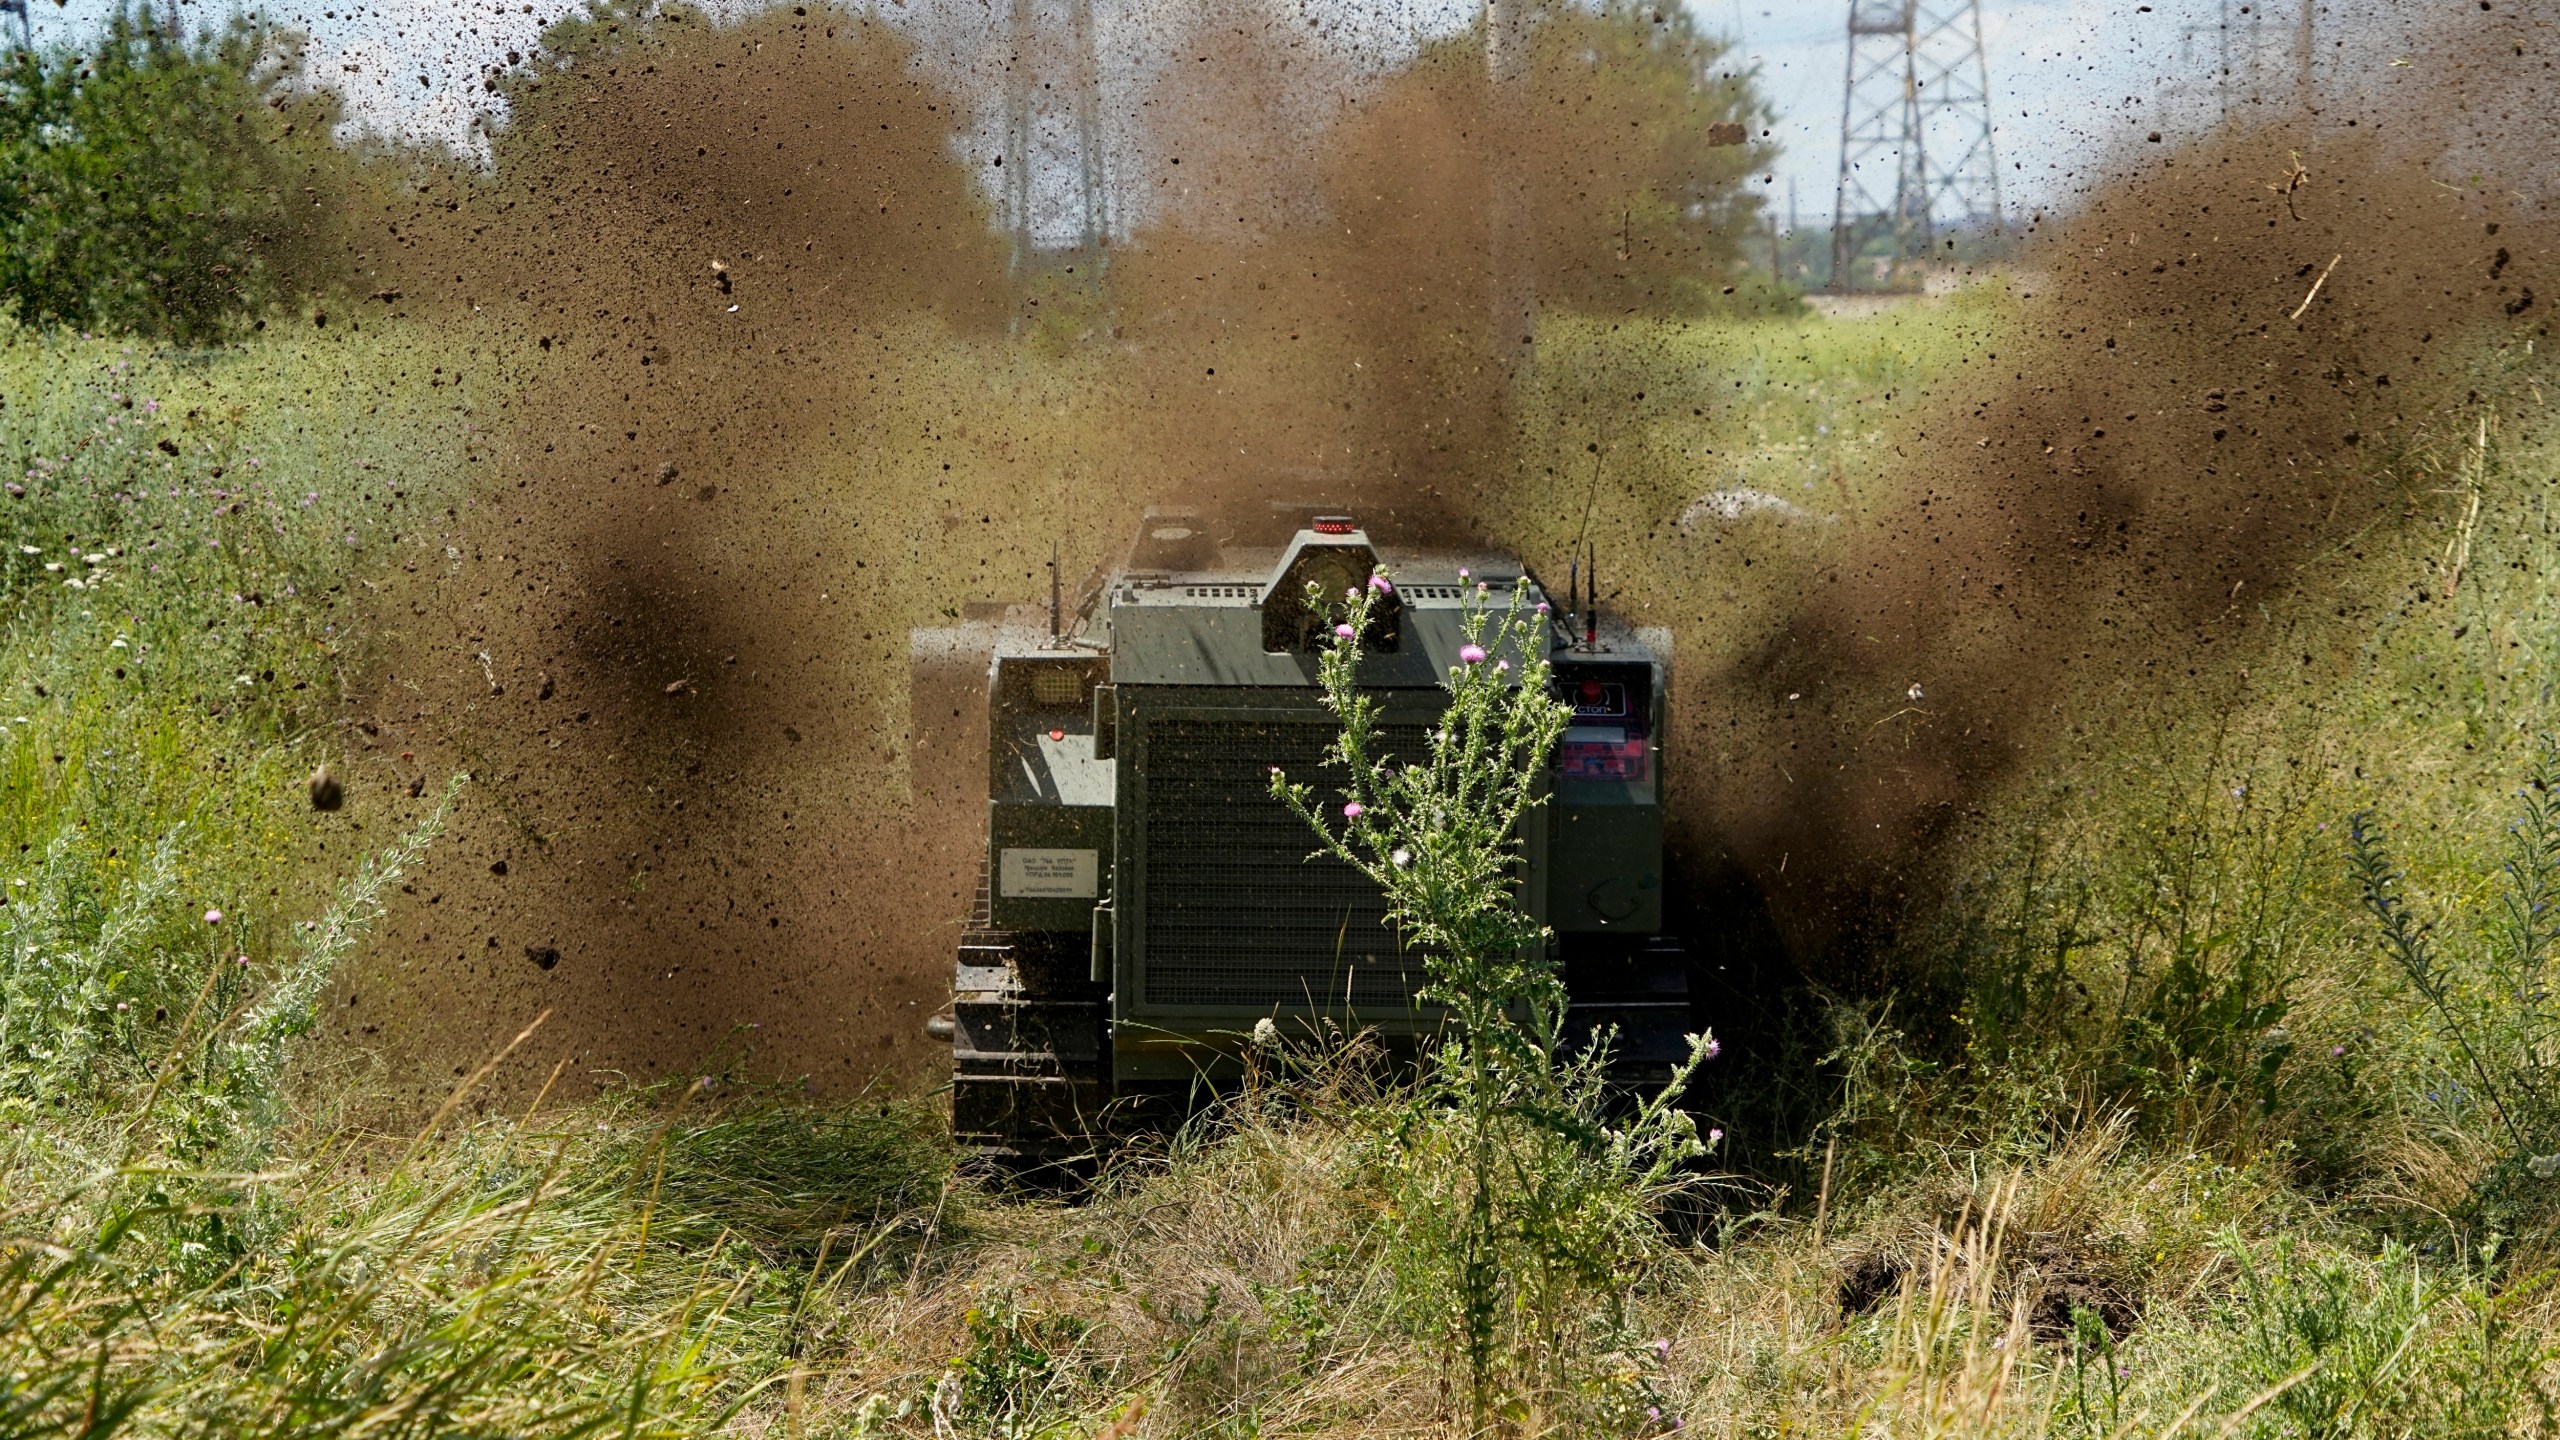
187 538
2156 1139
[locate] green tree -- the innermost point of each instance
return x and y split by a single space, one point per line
164 183
1637 132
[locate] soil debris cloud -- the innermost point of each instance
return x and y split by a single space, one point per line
2234 356
791 389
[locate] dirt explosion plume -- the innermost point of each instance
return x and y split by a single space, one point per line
658 644
2230 348
770 398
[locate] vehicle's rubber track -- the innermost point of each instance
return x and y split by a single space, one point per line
1029 1077
1030 1060
1639 990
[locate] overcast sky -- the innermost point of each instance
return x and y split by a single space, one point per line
2068 77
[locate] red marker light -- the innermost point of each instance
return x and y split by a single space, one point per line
1334 525
1057 734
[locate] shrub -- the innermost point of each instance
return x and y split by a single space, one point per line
154 182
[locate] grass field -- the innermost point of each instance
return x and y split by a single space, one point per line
2203 1148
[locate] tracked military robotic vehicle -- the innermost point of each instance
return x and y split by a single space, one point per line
1145 901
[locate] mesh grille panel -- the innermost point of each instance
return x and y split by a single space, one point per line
1236 914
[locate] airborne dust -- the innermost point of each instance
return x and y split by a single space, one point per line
771 400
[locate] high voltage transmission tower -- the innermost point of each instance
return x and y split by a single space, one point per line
2228 50
1915 132
1045 150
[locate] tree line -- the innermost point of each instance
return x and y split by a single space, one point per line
186 185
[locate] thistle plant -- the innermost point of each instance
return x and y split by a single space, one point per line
1526 1192
1440 837
2488 984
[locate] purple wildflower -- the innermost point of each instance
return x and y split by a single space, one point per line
1471 654
1345 631
1353 810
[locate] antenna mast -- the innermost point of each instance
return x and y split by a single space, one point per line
1917 102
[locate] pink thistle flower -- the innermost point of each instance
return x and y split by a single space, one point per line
1471 654
1715 1136
1715 1047
1381 584
1345 631
213 917
1502 666
1354 810
1462 572
1542 607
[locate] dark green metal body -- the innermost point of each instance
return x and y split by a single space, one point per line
1147 901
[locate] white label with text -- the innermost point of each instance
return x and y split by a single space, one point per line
1049 874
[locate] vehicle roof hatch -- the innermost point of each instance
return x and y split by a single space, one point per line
1322 566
